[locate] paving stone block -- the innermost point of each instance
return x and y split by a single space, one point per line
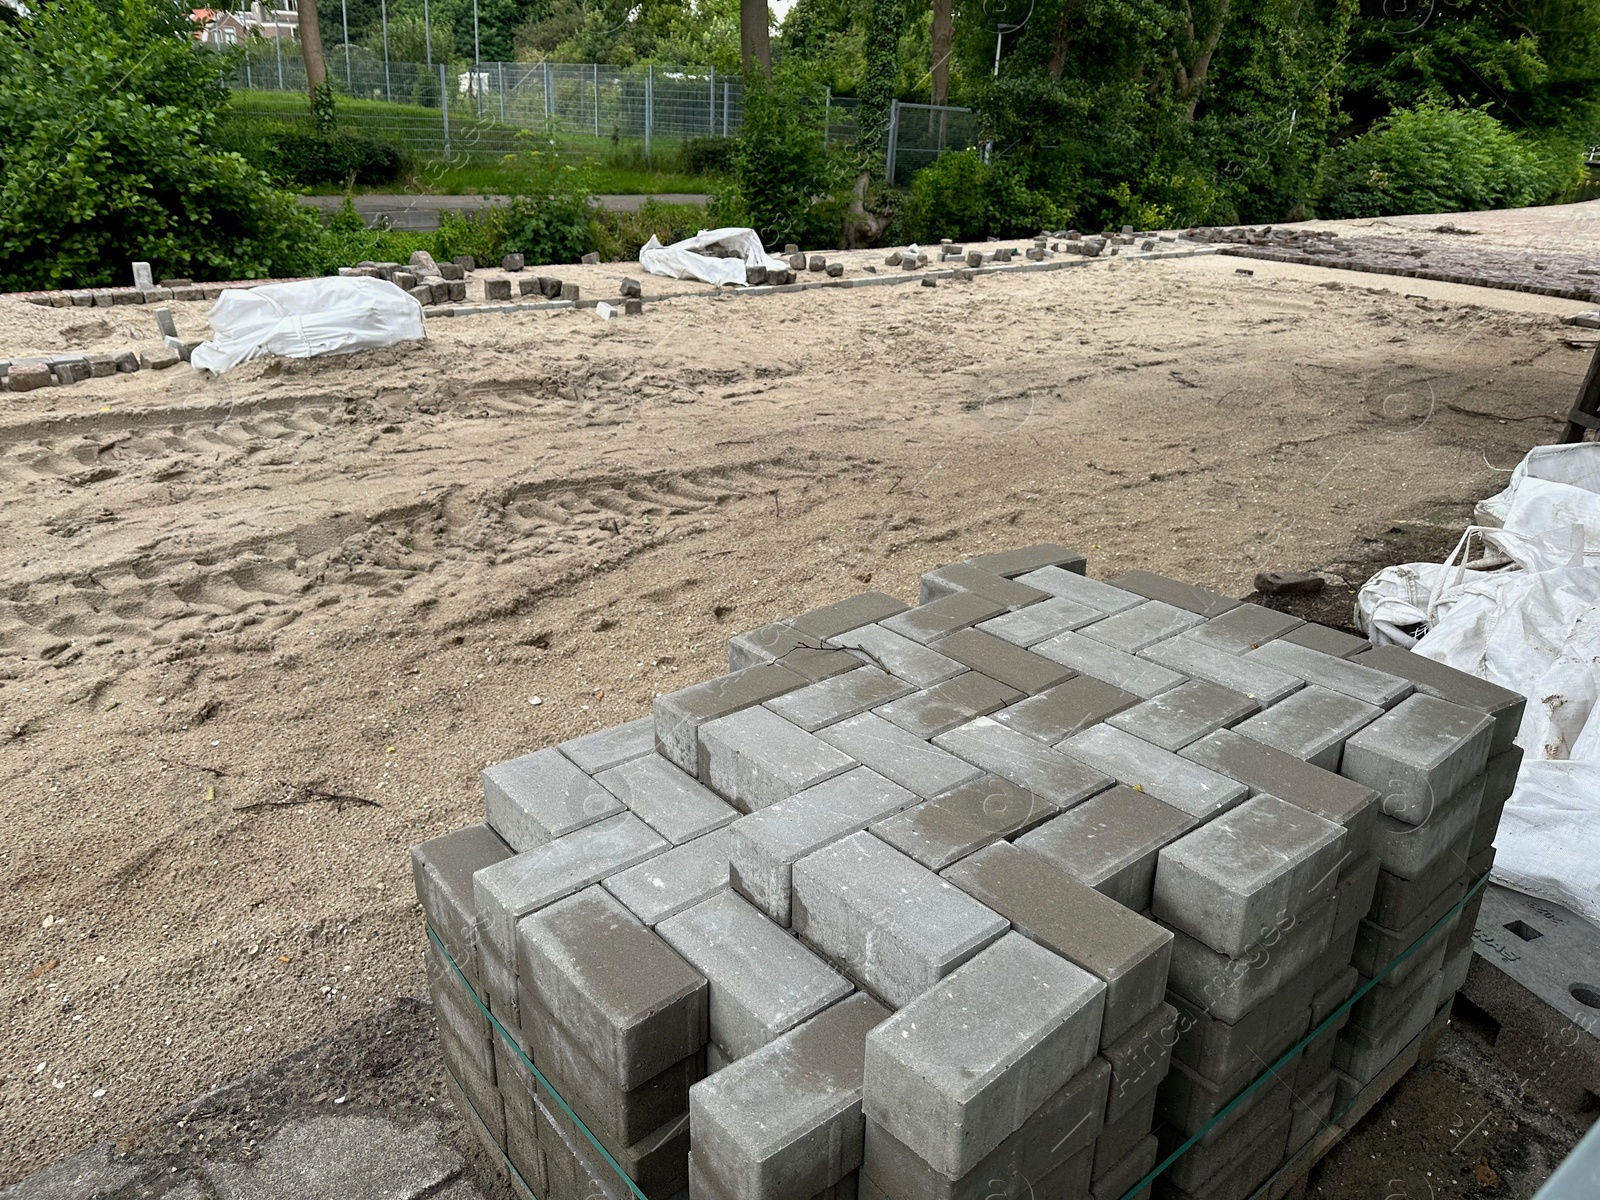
1196 599
1419 753
845 695
929 622
1143 677
1235 1052
1396 902
899 756
817 665
1057 1132
767 644
1327 641
632 1005
600 751
1185 714
937 832
1118 1138
442 871
625 1116
1337 674
679 715
1362 1055
1053 776
669 801
1447 683
675 879
1358 882
1228 987
1232 881
1239 673
1377 1010
511 889
949 704
1011 563
1313 725
764 846
1264 769
1039 622
958 1069
754 757
1135 628
894 926
1063 711
1046 905
1312 1114
1091 593
542 796
1110 842
1408 849
786 1119
1188 787
1121 1177
963 577
1244 628
1233 1170
1500 776
763 982
1377 947
845 615
1189 1102
899 656
999 659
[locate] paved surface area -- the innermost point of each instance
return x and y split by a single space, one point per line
421 213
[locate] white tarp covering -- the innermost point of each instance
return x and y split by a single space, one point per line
1533 626
337 315
685 260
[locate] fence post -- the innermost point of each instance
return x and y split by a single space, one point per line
724 108
383 11
827 113
344 14
597 99
649 105
248 82
501 67
894 136
277 46
444 107
711 107
550 97
544 89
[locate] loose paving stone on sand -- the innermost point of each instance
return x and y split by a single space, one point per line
1045 904
762 981
957 1070
1185 714
890 923
764 846
1110 842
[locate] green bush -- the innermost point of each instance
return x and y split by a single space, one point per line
617 236
105 113
308 159
1438 158
785 185
710 155
961 197
548 218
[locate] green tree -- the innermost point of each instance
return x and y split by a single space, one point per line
106 109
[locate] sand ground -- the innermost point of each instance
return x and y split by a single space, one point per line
259 634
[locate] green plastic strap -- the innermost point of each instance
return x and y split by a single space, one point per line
537 1074
1289 1054
489 1134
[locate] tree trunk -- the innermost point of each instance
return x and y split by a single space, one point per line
1061 40
321 94
941 51
1191 70
755 44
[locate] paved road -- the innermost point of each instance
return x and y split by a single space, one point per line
422 212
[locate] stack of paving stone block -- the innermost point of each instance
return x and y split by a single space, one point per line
1014 892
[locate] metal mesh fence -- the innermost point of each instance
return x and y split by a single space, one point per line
477 112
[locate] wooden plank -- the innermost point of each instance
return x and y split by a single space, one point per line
1289 1181
1588 405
